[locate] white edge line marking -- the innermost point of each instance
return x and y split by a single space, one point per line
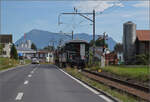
91 89
26 82
19 96
29 75
105 98
35 69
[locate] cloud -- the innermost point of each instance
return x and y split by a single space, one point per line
142 4
99 6
119 4
127 16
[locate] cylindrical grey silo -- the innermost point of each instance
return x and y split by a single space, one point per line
129 38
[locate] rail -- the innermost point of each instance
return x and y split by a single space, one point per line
130 88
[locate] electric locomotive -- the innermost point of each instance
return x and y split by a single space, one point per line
74 53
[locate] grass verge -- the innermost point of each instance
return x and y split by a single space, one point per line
120 95
6 63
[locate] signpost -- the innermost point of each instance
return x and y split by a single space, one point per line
82 51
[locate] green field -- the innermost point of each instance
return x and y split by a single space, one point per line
7 63
141 73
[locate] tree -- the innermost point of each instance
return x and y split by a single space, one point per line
91 43
49 48
118 47
13 52
1 49
99 43
33 46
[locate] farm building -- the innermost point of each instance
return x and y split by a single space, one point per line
135 42
142 41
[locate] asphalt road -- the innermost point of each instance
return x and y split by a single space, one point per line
44 83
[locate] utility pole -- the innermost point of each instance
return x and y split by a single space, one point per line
52 41
94 35
84 15
72 34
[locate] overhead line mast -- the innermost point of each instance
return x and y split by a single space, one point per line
86 17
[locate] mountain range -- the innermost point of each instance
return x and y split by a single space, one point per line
43 38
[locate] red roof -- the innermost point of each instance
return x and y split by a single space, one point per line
143 35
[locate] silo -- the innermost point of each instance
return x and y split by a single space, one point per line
22 45
129 38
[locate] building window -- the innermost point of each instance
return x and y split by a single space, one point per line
4 52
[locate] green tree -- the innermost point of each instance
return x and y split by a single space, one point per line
91 43
33 46
49 48
1 49
118 47
13 52
99 43
143 59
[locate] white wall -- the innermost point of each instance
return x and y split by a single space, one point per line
7 49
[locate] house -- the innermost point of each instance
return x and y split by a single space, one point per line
6 43
24 50
45 56
111 59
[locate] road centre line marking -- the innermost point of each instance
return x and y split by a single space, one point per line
35 69
32 72
86 86
29 75
26 82
19 96
105 98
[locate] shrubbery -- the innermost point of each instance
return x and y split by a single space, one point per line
13 52
143 59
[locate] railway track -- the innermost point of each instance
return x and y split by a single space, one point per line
138 91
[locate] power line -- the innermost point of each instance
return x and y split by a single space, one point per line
84 15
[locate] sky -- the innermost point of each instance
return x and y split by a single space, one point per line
19 17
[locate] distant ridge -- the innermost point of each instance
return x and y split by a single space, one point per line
43 38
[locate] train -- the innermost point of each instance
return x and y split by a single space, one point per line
73 53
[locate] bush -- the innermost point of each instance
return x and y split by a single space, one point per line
13 52
142 59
